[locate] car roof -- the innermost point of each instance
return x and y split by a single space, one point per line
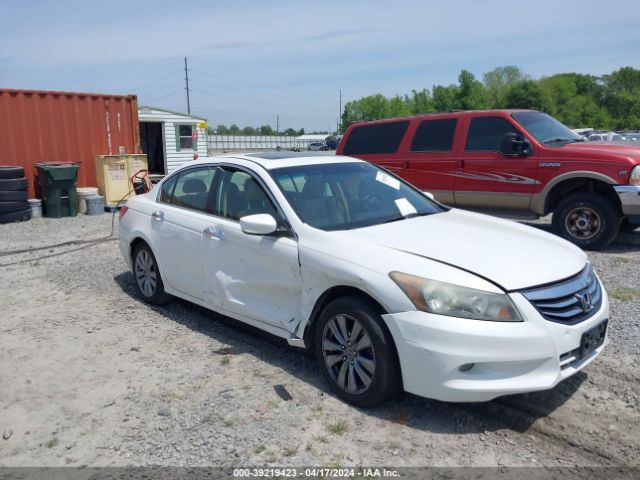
273 160
450 113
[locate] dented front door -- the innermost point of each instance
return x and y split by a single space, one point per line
254 276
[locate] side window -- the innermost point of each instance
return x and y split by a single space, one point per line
376 138
434 136
185 137
167 189
192 189
486 133
242 195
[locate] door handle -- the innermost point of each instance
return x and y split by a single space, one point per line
158 215
214 232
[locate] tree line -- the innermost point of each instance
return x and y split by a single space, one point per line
609 102
263 130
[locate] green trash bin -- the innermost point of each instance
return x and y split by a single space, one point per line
57 183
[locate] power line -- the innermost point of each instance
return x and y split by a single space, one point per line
153 82
308 100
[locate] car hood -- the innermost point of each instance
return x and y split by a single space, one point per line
508 254
613 151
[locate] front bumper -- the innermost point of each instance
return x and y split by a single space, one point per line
508 357
629 196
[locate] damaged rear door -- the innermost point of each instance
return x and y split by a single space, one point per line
256 276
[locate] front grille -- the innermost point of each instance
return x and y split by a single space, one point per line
569 301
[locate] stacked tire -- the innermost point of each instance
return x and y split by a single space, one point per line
14 206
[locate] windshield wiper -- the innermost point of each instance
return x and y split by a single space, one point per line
407 216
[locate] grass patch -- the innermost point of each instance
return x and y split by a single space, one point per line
625 294
259 449
53 442
338 428
272 457
290 451
336 461
308 447
321 438
393 446
225 361
622 260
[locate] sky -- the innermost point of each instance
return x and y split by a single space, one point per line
251 61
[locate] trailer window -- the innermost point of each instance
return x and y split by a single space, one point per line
184 137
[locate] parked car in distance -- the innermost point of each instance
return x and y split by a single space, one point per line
513 163
317 146
606 137
391 290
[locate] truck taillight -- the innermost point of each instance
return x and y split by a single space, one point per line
122 212
634 179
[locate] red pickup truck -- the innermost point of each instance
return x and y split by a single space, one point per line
513 163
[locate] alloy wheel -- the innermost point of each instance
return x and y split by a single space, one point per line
146 273
348 354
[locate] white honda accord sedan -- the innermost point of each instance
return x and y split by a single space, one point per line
390 289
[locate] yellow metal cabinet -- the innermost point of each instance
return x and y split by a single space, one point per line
113 174
112 178
135 163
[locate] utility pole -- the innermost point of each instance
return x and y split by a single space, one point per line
339 113
186 77
278 124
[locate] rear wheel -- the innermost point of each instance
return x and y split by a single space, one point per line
589 220
147 276
355 352
627 227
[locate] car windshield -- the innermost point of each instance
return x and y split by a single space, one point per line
343 196
546 129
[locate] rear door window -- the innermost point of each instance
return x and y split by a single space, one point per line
375 138
434 136
190 189
486 133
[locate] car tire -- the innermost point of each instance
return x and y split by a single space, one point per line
13 196
11 172
589 220
146 274
362 375
19 216
13 184
10 207
628 227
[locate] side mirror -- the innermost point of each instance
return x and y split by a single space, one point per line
514 144
260 224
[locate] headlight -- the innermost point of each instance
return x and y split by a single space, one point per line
634 179
456 301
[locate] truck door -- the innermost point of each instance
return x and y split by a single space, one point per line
485 179
431 157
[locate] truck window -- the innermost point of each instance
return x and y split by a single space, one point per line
375 138
486 133
434 136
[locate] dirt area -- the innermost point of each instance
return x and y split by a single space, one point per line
89 375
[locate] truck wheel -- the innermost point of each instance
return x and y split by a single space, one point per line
589 220
628 227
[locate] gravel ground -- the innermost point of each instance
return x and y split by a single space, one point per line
89 375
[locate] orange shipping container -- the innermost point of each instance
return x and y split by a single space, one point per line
42 126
